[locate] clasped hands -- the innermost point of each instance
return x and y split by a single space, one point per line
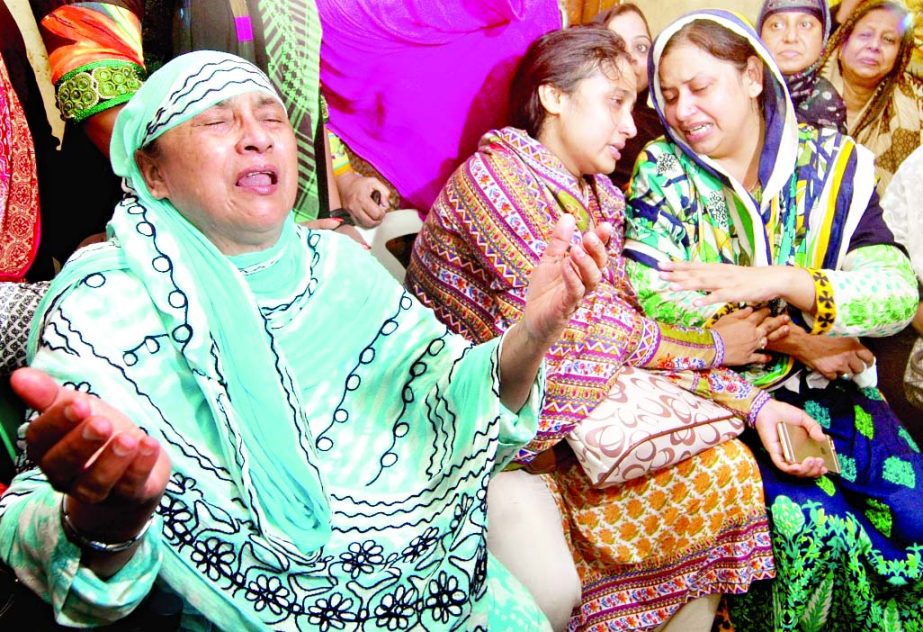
830 356
778 330
727 283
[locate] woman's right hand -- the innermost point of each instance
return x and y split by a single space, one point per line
112 472
746 332
767 421
357 196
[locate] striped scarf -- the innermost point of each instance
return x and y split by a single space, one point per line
292 33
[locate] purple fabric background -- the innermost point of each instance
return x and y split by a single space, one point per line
412 84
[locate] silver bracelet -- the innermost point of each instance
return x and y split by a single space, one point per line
88 544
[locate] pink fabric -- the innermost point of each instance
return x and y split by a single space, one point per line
412 85
244 28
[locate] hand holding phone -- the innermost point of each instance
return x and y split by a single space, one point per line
797 445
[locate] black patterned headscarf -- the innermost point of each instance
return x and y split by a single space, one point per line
816 100
817 8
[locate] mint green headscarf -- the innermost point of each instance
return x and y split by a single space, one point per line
210 315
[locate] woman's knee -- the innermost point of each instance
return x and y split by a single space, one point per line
525 534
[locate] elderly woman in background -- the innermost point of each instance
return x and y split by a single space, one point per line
795 32
309 484
867 62
627 20
647 548
742 204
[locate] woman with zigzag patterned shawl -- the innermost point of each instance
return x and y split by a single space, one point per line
771 210
647 548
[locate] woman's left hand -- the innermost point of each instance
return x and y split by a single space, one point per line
726 283
565 274
767 427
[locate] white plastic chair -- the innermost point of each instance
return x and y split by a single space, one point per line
396 224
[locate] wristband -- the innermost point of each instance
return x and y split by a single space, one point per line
88 544
762 398
88 90
825 314
719 348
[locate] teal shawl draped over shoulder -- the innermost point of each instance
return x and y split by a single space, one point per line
205 305
331 441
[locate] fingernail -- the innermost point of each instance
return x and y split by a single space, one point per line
338 220
71 413
123 445
147 447
78 409
96 430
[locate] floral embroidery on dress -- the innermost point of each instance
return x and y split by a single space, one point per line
666 163
717 207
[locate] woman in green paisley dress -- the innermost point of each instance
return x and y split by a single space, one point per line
739 204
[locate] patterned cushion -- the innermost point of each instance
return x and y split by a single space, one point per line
17 306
